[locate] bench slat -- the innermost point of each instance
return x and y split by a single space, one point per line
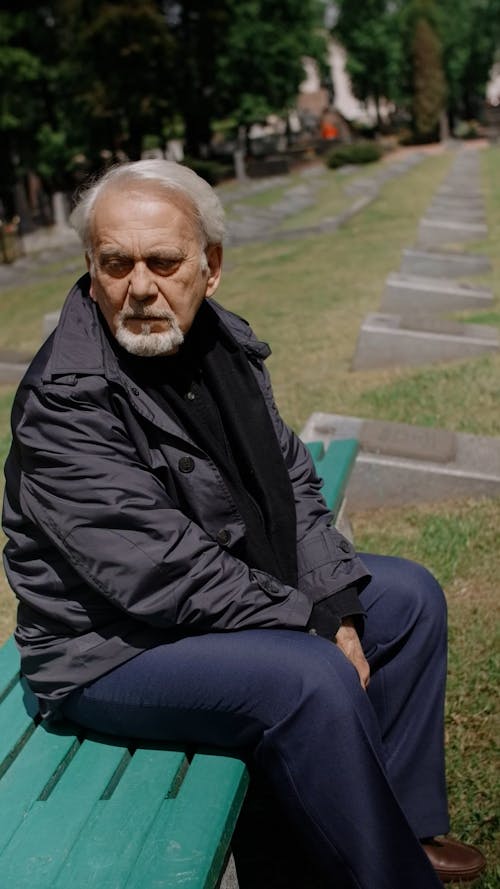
334 467
9 664
24 781
316 449
16 722
187 844
111 840
40 845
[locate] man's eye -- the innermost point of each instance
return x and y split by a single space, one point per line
163 266
116 267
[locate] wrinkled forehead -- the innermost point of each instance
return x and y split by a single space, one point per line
136 195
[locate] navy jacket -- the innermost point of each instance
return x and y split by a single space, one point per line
120 527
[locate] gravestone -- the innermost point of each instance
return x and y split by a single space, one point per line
388 340
405 440
50 322
462 190
432 264
60 209
452 199
449 231
398 464
458 213
409 293
13 365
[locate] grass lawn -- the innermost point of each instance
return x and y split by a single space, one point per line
307 298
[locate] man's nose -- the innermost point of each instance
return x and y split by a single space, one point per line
142 283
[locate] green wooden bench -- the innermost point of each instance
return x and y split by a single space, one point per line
81 810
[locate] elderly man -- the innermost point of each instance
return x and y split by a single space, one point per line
177 570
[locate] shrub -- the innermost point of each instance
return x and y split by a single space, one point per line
467 129
211 170
357 153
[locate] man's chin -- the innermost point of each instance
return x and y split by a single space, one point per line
150 345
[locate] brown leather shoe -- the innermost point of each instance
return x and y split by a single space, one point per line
454 861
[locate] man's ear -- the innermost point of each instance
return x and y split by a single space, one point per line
214 259
88 263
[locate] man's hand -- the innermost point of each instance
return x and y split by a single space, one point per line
347 640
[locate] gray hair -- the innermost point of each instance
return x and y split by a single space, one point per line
169 176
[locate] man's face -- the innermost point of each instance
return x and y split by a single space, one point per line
149 274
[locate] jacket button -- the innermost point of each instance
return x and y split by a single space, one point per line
345 546
223 536
190 395
186 464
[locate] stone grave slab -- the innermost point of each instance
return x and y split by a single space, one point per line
433 264
405 440
13 365
459 190
453 196
390 340
448 231
50 322
410 293
440 465
459 213
465 207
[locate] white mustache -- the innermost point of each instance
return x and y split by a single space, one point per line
144 313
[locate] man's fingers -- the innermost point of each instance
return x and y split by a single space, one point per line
348 641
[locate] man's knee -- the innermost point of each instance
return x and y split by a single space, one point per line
403 594
424 592
323 679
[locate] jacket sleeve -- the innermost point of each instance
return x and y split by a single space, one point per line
84 485
327 562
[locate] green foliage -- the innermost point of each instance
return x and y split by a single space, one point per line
211 170
379 36
470 36
369 31
22 100
355 153
93 78
240 59
260 69
54 156
121 69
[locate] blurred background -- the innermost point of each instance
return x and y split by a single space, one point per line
232 87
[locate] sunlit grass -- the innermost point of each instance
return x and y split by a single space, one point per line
459 541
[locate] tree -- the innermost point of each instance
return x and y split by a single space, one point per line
470 36
240 59
24 101
369 31
87 80
382 39
261 68
429 86
199 32
120 71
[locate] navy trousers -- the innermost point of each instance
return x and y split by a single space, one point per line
360 774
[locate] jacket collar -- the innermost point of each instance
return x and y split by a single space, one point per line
79 346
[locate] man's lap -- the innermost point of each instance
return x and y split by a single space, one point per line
234 685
